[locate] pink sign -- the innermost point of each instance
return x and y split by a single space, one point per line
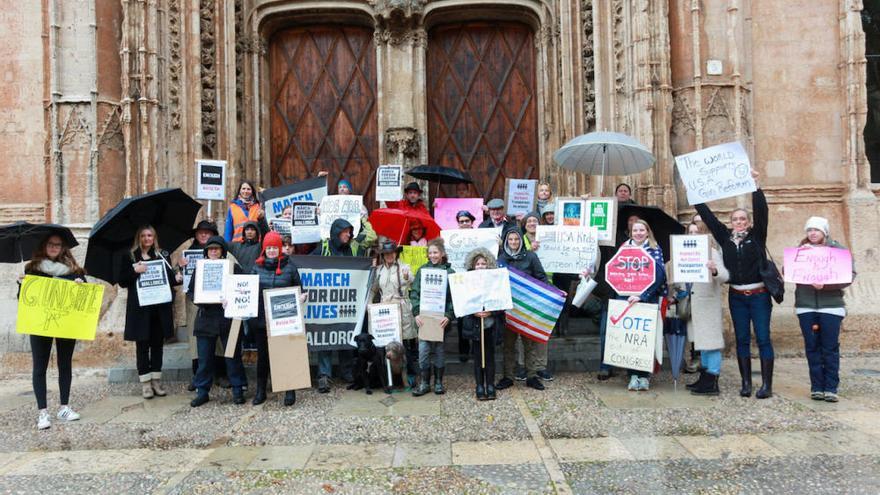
446 208
818 265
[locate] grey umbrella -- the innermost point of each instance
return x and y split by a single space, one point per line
604 153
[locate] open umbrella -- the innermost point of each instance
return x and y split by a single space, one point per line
604 153
171 212
19 240
662 225
396 224
440 174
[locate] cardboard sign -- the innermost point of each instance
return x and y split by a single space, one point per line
211 179
345 206
631 271
389 183
291 357
460 242
601 213
210 279
565 249
631 335
414 257
519 195
153 286
305 226
54 307
818 265
690 253
242 294
284 311
281 225
445 210
385 323
480 290
192 256
434 282
277 198
716 172
431 331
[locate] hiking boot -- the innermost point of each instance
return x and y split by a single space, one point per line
535 383
707 385
490 392
504 383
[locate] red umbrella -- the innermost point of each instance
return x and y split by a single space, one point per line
396 224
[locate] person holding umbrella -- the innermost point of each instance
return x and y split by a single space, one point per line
147 326
243 209
485 341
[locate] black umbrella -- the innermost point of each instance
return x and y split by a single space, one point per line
662 225
171 212
19 240
440 174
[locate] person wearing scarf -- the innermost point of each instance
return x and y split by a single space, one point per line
243 209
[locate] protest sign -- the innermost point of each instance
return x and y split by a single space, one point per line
305 226
292 351
431 331
433 290
602 214
389 183
345 206
284 311
277 198
519 195
493 293
631 271
241 294
385 324
414 257
445 210
54 307
281 225
690 253
153 286
818 265
571 212
337 290
210 277
460 242
716 172
631 335
565 249
211 179
192 255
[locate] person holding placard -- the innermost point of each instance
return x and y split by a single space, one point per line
366 237
148 326
209 326
743 249
486 336
820 310
53 259
243 209
436 261
275 270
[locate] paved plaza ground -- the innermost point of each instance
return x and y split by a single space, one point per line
578 436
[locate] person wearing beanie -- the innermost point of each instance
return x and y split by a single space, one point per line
820 310
412 199
465 219
366 238
275 270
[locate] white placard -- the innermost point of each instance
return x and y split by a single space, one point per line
480 290
280 225
459 243
153 286
242 296
278 198
690 253
564 249
192 255
210 277
284 312
433 290
716 172
345 206
389 183
519 195
211 179
631 335
385 324
305 226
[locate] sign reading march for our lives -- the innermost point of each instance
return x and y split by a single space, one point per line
493 293
344 206
631 335
337 291
818 265
54 307
519 195
717 172
460 242
446 209
277 198
211 179
192 256
305 227
690 253
153 286
567 249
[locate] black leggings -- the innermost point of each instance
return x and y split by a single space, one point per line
262 341
411 346
489 371
149 352
41 349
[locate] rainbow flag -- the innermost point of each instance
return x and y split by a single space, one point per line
536 306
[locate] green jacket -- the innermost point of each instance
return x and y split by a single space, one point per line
415 294
829 296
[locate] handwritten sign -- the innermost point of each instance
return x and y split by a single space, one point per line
631 335
493 294
519 195
567 249
153 286
716 172
54 307
389 183
433 285
460 242
241 295
344 206
690 253
211 179
414 256
284 313
385 323
210 276
818 265
446 209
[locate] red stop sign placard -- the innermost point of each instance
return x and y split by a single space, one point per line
630 271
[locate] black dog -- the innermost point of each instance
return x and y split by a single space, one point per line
368 367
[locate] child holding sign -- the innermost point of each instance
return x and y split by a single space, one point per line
490 336
437 262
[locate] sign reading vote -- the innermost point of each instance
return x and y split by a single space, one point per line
717 172
54 307
690 253
567 249
211 179
631 335
818 265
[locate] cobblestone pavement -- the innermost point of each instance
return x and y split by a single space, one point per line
578 436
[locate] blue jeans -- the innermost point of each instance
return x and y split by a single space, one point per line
205 374
325 363
747 311
822 349
711 361
602 323
426 349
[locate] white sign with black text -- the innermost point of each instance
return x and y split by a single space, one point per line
690 253
153 286
210 277
385 324
716 172
567 249
211 179
241 295
433 290
389 183
284 312
344 206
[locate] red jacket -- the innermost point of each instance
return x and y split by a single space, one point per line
406 205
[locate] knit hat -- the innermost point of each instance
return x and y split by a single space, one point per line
272 239
343 182
818 223
466 214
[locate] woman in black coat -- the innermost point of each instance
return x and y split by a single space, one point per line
147 326
492 328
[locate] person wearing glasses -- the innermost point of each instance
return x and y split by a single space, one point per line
465 219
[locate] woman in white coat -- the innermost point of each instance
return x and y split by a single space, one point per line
706 320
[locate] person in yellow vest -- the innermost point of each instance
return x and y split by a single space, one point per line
243 209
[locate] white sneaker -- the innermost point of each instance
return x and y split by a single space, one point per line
43 422
644 384
633 383
67 414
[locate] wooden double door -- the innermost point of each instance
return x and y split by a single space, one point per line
481 115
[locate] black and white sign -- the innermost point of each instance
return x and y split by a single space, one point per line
345 206
280 225
389 183
305 227
210 278
519 195
192 255
433 285
277 198
211 179
284 312
242 296
153 286
717 172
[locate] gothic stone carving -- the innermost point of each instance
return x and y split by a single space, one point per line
209 77
402 140
174 65
397 21
589 66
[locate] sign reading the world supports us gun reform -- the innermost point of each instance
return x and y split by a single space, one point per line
567 249
716 172
631 335
54 307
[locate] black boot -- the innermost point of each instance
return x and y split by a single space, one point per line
700 381
707 385
479 379
201 399
289 397
424 384
745 372
766 389
237 395
438 381
260 395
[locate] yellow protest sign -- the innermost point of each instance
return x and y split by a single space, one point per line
54 307
414 256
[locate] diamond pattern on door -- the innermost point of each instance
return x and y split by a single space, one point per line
482 103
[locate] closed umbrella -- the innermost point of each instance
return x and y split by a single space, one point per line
19 240
604 153
396 224
676 337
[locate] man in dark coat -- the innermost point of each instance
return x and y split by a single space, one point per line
497 218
